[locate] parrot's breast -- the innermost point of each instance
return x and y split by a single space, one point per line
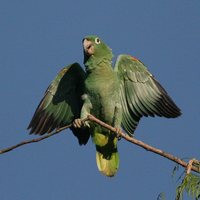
103 91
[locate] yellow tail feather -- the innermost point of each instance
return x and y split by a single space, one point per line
107 166
107 157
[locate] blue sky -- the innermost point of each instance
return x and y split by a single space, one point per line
38 38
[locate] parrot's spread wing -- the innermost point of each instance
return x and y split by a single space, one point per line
141 94
61 103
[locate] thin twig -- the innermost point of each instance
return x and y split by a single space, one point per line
34 140
37 139
189 166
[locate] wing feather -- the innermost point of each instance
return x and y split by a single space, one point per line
141 94
61 103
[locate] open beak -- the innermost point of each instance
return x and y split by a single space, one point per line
88 47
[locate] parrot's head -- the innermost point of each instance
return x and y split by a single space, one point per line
95 49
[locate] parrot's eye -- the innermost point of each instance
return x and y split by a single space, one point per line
97 41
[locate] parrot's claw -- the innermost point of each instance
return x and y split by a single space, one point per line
119 133
78 123
86 124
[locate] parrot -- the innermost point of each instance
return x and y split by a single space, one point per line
119 95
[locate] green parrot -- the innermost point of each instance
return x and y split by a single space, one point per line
119 96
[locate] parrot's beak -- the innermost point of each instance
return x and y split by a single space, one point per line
88 47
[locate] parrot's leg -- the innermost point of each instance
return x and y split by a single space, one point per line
117 120
85 111
118 132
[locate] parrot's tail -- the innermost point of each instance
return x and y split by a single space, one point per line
108 166
107 156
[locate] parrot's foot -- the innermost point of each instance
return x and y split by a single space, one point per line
119 133
78 123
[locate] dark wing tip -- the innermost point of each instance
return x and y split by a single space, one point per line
168 108
41 123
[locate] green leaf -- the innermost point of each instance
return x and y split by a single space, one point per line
191 185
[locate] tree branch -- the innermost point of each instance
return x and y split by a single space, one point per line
34 140
121 134
144 145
